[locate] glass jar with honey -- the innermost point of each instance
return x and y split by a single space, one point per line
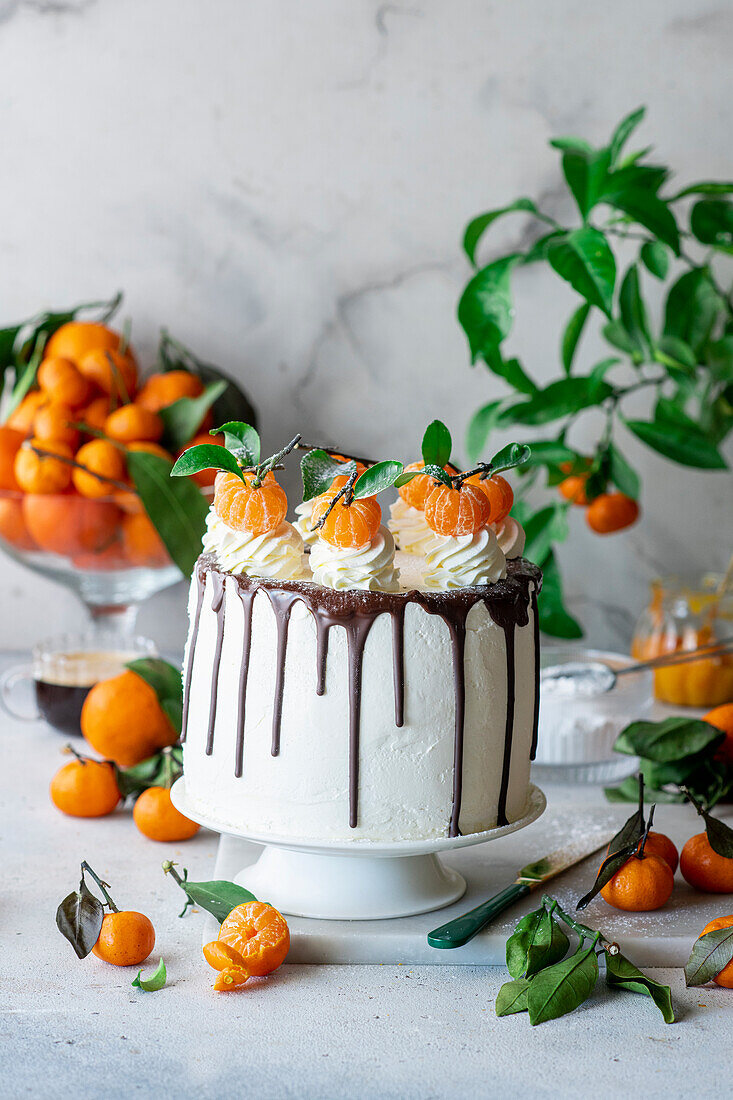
682 615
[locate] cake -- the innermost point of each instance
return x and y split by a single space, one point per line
359 692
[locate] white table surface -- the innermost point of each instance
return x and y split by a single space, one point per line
386 1031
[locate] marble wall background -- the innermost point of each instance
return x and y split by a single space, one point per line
284 185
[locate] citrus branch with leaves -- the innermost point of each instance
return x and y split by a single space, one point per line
686 364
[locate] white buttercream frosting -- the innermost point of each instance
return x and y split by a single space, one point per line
304 522
276 555
409 527
461 561
510 536
371 567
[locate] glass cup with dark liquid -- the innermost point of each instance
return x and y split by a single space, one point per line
62 671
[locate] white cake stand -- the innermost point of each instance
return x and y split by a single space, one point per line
358 880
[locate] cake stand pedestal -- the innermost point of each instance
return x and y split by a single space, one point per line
360 880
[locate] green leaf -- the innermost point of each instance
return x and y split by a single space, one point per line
536 942
79 918
669 411
177 509
720 359
675 353
182 419
485 310
233 404
634 177
512 997
436 472
318 469
710 953
561 398
584 259
622 474
548 525
572 334
510 456
720 835
27 377
478 226
571 145
563 987
512 371
160 770
482 423
538 250
705 188
217 897
616 335
544 452
669 739
623 132
649 210
155 982
678 444
628 791
655 257
554 619
622 974
633 311
711 221
204 456
436 444
610 866
586 173
242 440
693 305
163 678
376 478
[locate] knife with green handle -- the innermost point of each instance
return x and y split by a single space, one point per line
459 931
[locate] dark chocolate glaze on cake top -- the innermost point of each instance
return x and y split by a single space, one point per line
507 602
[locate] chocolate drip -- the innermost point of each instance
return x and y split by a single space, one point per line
200 586
247 598
507 601
217 605
536 718
282 605
398 664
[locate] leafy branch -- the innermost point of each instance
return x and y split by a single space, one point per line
682 236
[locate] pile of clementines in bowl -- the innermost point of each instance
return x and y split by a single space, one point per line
65 487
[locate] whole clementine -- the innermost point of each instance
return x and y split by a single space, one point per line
347 526
246 508
123 720
12 524
126 939
55 421
611 512
37 470
142 544
10 443
259 934
724 977
85 788
573 489
21 419
722 718
132 423
95 413
416 491
61 380
74 339
165 387
641 884
111 371
704 869
158 819
499 493
104 464
67 524
657 844
457 511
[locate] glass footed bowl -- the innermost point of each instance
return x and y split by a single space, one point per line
105 550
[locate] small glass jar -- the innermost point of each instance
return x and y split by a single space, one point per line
685 613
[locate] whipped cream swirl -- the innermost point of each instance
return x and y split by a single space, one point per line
409 527
461 561
304 522
370 567
510 536
276 555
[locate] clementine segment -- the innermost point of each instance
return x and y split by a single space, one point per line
158 819
704 869
123 720
126 939
85 788
259 934
220 956
462 511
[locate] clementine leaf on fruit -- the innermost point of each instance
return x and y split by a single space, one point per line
436 444
710 953
669 739
242 440
165 680
217 897
79 918
183 417
156 980
436 472
318 469
376 478
206 456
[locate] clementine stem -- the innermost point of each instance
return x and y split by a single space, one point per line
102 885
79 466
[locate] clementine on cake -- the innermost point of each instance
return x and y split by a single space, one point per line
498 491
457 511
416 491
244 506
347 525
